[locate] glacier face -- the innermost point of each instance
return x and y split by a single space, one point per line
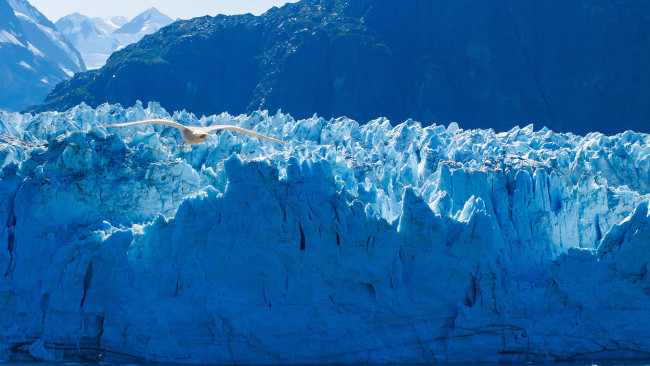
355 243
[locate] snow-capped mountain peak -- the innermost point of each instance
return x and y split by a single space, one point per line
77 26
146 22
45 36
98 38
24 8
35 55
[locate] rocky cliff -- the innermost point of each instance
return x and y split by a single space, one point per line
578 66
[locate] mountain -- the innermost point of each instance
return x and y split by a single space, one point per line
34 57
91 36
353 244
148 22
116 21
98 38
578 66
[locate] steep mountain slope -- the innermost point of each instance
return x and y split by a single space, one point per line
43 35
34 57
352 244
98 38
578 66
91 36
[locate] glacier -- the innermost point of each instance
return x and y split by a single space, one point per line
355 243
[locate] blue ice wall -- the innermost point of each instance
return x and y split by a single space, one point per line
354 243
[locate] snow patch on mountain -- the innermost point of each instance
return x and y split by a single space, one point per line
9 37
354 243
116 21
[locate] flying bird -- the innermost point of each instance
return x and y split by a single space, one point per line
193 135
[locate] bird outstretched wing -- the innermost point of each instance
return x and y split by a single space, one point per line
150 122
242 130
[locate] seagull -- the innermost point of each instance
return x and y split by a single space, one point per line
193 135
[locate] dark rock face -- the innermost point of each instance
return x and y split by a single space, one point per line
579 66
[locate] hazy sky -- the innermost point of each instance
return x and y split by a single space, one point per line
183 9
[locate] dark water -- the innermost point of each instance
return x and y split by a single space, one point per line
585 363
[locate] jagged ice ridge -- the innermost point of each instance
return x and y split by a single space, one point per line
355 243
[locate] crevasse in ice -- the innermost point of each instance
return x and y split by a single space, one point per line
354 243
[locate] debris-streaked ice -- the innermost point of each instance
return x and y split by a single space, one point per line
355 243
